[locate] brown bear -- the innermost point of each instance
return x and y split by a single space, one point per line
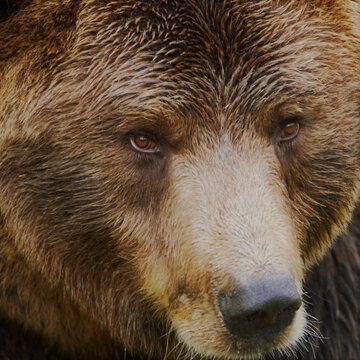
170 170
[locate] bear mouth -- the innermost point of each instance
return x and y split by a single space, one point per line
258 346
218 343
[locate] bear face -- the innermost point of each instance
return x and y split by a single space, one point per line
162 160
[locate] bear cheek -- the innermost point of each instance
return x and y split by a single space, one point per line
322 208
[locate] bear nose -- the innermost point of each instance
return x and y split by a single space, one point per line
260 309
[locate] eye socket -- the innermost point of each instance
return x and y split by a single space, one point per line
143 143
289 131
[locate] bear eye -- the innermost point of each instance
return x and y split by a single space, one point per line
289 131
143 143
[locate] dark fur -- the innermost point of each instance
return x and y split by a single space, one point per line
68 179
334 293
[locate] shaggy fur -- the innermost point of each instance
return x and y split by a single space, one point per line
110 253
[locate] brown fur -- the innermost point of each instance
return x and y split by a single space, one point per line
108 253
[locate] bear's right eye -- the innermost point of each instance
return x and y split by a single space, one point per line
289 131
143 143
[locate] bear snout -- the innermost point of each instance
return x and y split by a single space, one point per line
260 310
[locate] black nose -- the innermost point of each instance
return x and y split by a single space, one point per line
260 309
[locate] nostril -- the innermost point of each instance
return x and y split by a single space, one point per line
266 307
258 319
293 307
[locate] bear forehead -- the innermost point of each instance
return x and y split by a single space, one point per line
234 55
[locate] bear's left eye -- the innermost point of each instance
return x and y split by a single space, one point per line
143 143
289 131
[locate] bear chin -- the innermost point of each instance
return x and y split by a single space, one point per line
225 346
